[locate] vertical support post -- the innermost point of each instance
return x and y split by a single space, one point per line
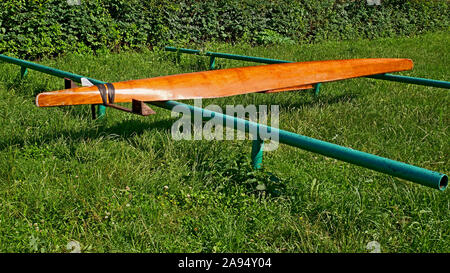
68 83
101 110
317 89
93 111
212 62
257 153
23 72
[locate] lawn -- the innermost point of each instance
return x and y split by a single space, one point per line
122 184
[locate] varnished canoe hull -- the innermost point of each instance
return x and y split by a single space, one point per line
228 82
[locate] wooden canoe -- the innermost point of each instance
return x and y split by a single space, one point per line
228 82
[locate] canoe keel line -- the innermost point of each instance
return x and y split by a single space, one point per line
161 91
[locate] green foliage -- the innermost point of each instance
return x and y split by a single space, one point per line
38 28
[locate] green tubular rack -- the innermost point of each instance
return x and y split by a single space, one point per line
395 168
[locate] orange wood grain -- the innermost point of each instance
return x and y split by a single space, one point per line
228 82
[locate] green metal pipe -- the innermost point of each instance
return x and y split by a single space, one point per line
413 80
226 55
395 168
388 77
245 58
182 50
54 72
46 69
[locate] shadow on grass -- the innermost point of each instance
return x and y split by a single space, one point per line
123 129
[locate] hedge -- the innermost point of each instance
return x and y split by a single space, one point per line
36 28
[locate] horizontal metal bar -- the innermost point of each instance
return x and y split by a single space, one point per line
246 58
388 77
395 168
413 80
53 72
226 55
47 70
182 50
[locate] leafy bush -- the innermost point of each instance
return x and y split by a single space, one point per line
32 29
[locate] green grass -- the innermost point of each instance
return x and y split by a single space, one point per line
123 185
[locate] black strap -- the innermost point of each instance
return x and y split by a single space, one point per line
111 92
108 95
102 90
